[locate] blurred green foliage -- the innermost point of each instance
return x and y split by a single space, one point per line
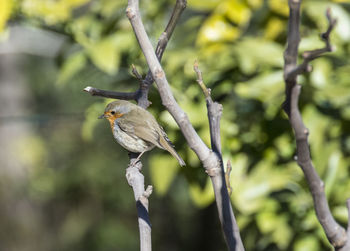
239 45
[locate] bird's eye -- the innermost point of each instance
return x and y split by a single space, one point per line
112 112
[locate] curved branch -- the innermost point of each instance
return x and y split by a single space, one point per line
335 233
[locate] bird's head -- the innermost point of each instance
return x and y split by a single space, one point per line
116 109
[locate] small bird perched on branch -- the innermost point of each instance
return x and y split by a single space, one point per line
136 129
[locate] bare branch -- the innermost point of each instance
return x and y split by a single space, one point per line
346 247
308 56
165 36
214 113
334 232
348 206
227 177
110 94
141 95
137 181
205 90
209 159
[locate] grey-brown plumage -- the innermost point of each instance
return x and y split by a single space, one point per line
136 129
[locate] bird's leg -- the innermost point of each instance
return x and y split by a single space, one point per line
137 159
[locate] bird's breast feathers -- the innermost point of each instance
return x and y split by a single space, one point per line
130 142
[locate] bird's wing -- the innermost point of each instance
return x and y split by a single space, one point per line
144 126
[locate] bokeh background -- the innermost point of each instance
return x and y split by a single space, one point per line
62 176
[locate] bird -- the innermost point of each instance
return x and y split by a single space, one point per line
136 129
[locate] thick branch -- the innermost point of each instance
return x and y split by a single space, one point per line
334 232
220 179
137 181
210 160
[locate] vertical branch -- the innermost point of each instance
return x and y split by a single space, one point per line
334 232
218 176
137 181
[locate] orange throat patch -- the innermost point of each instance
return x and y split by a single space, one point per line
112 118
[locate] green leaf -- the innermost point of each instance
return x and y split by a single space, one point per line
203 4
202 197
71 66
254 53
268 88
235 10
276 225
307 243
163 170
52 12
217 29
91 119
250 191
105 55
5 12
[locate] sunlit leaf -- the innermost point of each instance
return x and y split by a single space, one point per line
217 29
91 120
254 53
163 169
279 6
105 55
72 65
6 7
202 197
277 226
273 28
203 4
51 11
307 243
235 10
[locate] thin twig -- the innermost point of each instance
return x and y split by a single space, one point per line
141 95
308 56
214 114
334 232
205 90
165 36
111 94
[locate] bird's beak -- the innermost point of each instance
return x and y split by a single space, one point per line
102 116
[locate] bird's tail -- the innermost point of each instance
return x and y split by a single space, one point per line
168 145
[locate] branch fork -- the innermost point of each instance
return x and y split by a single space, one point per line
133 173
335 233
